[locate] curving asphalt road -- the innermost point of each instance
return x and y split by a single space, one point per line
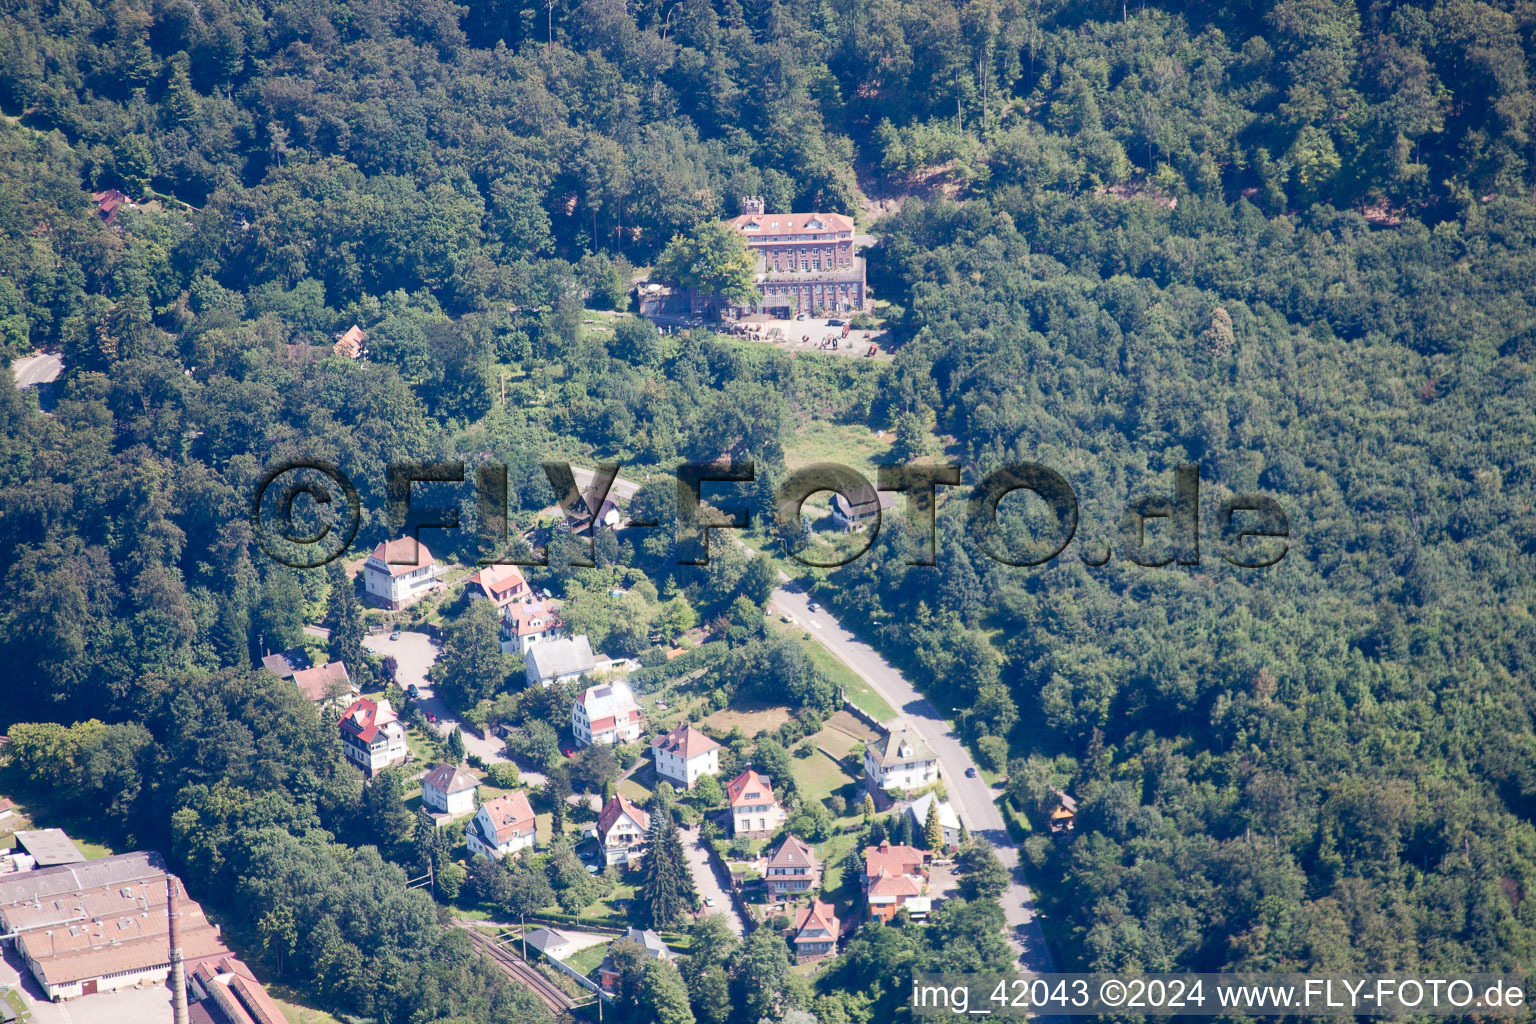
973 799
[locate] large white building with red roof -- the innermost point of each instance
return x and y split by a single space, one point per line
684 755
399 572
502 826
606 713
755 811
372 736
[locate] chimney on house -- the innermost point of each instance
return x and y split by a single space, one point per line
752 205
178 969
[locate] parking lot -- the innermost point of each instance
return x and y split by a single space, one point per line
813 334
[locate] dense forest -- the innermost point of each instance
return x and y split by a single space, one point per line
1291 242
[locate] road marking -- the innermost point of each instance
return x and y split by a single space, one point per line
816 624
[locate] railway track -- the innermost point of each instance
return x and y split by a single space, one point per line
525 974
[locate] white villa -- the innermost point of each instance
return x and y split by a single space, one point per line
684 754
559 661
900 760
449 789
502 826
372 736
621 831
399 572
606 713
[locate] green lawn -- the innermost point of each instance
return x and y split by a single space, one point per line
14 1001
857 690
295 1009
847 444
588 960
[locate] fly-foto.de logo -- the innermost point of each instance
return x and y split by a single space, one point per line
306 512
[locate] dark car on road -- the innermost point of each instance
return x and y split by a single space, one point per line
971 772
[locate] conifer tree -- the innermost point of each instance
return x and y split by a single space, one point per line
933 830
666 892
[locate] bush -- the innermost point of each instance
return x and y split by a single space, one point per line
992 752
838 804
503 775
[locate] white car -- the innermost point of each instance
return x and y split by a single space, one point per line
709 901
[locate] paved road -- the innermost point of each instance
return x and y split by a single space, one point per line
414 654
38 369
972 798
621 489
705 881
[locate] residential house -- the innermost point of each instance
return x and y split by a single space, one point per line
449 789
1062 811
350 344
606 713
900 760
580 518
816 930
326 683
109 202
529 622
649 941
754 810
502 585
285 664
865 508
621 831
399 572
919 809
685 754
559 661
894 876
551 943
502 826
372 736
791 868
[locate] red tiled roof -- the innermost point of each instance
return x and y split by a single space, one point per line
524 614
793 853
500 583
402 551
685 741
364 718
749 788
896 885
817 915
509 815
892 860
350 344
619 806
792 223
315 682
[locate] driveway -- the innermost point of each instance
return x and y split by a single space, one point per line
37 369
414 654
973 799
705 881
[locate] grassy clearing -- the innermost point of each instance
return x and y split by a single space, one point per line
587 960
848 444
295 1009
751 720
853 685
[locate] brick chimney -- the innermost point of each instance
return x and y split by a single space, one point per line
178 969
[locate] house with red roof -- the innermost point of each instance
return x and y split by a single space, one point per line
755 812
372 736
399 572
815 931
895 876
326 683
350 344
685 754
606 713
499 584
791 869
806 262
527 622
621 831
502 826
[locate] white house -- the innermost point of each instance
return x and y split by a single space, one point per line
867 506
449 789
529 622
606 713
621 831
900 760
559 661
919 810
399 572
371 736
684 754
755 811
502 826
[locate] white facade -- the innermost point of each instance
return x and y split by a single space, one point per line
372 737
502 826
685 755
450 792
397 585
900 760
606 714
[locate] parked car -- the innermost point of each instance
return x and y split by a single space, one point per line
813 606
567 751
412 692
431 717
395 635
971 772
800 316
709 901
834 323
